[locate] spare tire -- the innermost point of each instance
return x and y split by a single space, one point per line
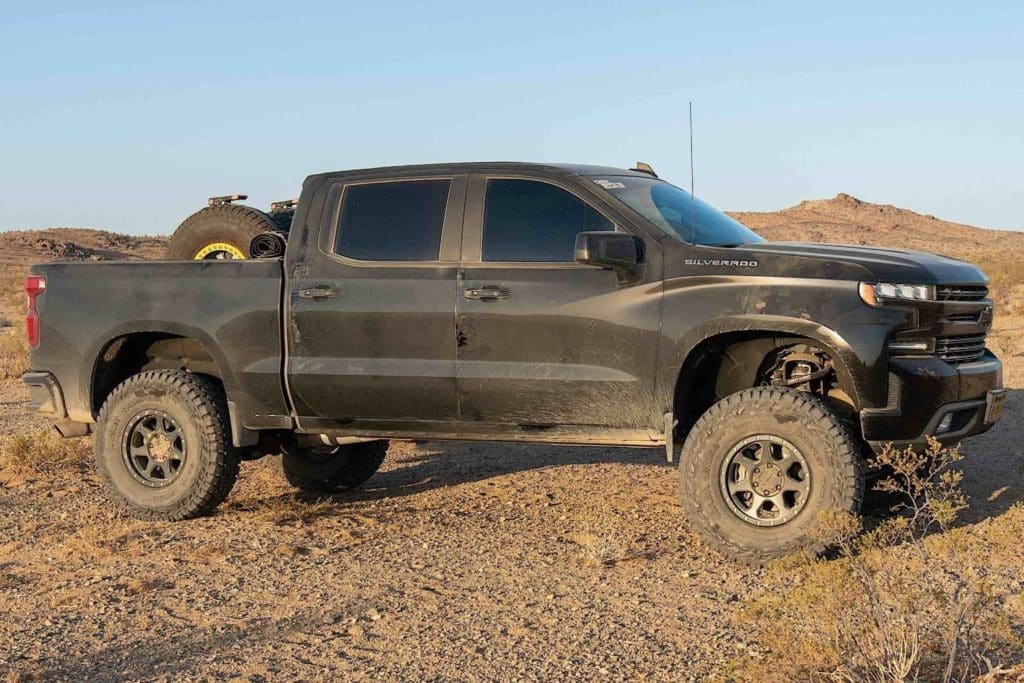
221 231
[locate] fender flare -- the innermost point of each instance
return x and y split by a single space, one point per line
97 349
849 366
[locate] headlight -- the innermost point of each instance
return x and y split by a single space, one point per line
876 294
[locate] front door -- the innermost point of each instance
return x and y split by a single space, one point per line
371 309
543 340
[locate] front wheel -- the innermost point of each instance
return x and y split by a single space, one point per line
335 468
760 468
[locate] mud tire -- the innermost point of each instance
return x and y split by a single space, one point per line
210 466
822 438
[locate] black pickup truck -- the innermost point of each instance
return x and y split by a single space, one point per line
518 302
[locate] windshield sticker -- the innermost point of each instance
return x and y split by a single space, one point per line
610 184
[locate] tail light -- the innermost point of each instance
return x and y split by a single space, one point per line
34 286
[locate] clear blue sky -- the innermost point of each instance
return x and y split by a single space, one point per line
127 115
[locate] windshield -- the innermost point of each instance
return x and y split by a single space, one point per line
678 213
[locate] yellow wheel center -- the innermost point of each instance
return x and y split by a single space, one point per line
218 251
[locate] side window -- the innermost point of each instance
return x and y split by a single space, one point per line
530 221
398 221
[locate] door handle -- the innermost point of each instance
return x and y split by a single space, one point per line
487 293
317 293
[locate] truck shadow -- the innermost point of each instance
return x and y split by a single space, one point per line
439 464
993 464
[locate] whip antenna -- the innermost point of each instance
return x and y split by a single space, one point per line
693 201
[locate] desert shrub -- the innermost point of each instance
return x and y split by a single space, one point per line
45 452
1007 343
598 536
909 600
293 509
13 353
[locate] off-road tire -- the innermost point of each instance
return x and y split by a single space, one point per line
822 438
231 224
210 465
343 468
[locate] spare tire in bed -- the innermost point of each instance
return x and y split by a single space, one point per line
221 231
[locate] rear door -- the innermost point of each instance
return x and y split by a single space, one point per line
371 306
544 340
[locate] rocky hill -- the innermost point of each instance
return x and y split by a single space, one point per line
847 220
25 247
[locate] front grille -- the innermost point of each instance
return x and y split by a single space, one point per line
962 318
962 349
961 292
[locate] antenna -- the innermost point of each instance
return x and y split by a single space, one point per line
693 200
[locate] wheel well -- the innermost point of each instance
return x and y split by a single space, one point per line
727 363
134 353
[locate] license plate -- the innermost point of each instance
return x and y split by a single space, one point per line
995 402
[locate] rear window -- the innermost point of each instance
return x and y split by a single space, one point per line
398 221
529 221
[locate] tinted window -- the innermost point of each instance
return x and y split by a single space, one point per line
392 221
525 220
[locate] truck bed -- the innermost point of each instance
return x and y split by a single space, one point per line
232 307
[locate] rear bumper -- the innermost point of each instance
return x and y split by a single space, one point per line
46 397
924 391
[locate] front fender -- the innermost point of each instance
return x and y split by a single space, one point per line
829 312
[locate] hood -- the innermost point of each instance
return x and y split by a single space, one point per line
886 265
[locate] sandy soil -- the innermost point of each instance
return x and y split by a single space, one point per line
457 562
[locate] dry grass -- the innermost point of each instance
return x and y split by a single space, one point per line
13 353
911 600
287 509
1007 343
1006 278
43 453
599 537
12 290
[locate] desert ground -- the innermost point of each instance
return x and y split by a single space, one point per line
458 561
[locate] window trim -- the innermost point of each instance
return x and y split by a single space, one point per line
473 237
451 226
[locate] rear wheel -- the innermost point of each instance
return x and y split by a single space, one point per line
761 466
331 469
219 232
163 445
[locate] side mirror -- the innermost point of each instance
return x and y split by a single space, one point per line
609 249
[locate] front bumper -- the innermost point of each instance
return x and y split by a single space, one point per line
923 391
